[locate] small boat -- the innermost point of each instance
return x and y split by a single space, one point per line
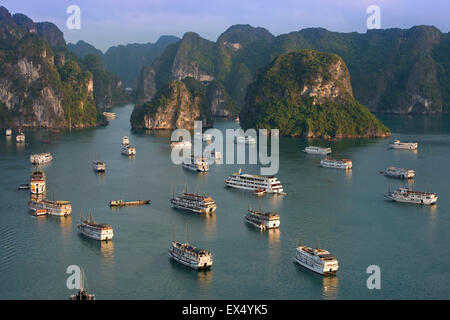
20 137
122 203
398 173
194 202
407 195
188 255
181 144
317 150
318 260
93 230
99 166
262 220
259 192
125 141
41 158
397 144
24 186
193 163
55 208
127 150
8 132
245 140
82 294
336 164
237 120
40 212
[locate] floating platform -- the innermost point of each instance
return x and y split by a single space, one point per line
122 203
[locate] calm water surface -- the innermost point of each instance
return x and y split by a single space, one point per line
346 211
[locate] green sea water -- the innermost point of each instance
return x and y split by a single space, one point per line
346 211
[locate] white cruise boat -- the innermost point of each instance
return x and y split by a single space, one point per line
181 144
317 260
55 208
93 230
245 140
8 132
398 173
317 150
125 141
194 202
20 137
99 166
128 150
196 164
337 164
409 196
189 255
41 158
37 182
109 115
262 220
397 144
207 137
251 182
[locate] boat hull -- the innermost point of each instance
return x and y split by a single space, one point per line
316 269
420 202
189 263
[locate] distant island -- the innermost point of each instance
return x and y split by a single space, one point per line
308 93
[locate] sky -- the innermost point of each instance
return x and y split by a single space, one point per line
105 23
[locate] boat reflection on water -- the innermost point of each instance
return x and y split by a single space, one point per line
330 288
210 225
348 174
107 250
66 225
274 237
205 280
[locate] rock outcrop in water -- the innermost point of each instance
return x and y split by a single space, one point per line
308 93
176 105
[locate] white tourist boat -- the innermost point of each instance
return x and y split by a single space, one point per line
93 230
194 202
245 140
404 194
109 115
99 166
207 137
20 137
190 256
41 158
8 132
336 164
251 182
128 150
125 141
37 182
399 173
262 220
317 150
181 144
55 208
317 260
199 164
397 144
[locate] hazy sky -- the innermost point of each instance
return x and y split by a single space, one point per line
105 23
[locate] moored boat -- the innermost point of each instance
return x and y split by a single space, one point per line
99 166
122 203
251 182
41 158
125 141
24 186
245 140
193 163
336 164
407 195
20 137
317 150
54 208
8 132
397 144
93 230
399 173
181 144
262 220
318 260
127 150
82 293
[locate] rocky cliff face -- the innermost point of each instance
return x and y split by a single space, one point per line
176 105
38 89
403 71
308 93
